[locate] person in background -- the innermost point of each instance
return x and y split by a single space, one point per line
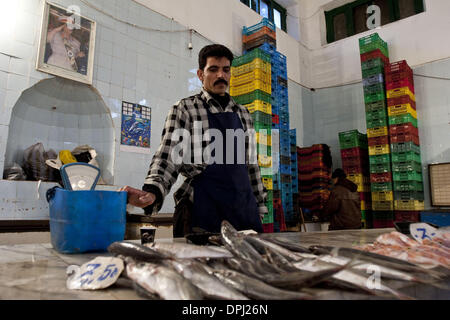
211 192
343 208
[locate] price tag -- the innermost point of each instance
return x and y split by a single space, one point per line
422 231
96 274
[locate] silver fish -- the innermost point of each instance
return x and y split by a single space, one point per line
273 247
211 287
351 277
236 244
136 251
254 288
190 251
163 281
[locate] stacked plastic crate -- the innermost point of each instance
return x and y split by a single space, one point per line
250 85
405 146
293 221
355 163
374 57
265 39
314 179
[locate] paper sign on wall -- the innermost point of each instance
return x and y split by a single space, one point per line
136 128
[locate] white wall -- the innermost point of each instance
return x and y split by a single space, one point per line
419 39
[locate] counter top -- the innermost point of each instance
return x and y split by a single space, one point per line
37 271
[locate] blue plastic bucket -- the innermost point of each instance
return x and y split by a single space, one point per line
83 221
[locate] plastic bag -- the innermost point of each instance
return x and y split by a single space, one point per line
15 172
34 165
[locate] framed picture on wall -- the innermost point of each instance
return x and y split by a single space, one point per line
136 128
66 46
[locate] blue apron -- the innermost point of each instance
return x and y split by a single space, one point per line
223 191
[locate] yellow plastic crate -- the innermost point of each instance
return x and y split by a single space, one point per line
264 161
382 196
377 132
382 205
268 183
264 139
379 149
256 74
258 105
364 205
251 86
398 92
257 63
402 109
358 179
363 187
409 205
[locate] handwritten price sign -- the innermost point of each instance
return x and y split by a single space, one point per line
422 231
99 273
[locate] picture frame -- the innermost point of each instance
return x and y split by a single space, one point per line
439 179
67 43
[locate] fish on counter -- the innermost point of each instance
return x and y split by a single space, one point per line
189 251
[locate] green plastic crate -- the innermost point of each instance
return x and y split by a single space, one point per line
383 215
266 172
380 159
403 118
380 168
352 139
407 176
406 156
376 106
404 147
407 166
372 71
267 150
409 195
249 57
377 114
373 97
376 123
373 42
269 198
268 217
252 96
381 186
408 186
262 118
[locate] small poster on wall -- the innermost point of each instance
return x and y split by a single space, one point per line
66 47
136 125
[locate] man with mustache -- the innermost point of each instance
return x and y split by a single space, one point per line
211 192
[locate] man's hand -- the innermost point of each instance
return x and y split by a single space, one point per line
139 198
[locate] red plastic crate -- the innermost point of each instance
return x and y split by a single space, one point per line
267 227
365 196
378 140
413 216
381 177
382 223
276 202
396 76
404 128
397 138
401 100
406 82
359 168
354 161
275 118
397 66
373 55
353 152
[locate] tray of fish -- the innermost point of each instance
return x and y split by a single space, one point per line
233 265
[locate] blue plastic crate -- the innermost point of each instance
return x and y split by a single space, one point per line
267 47
285 169
375 79
441 219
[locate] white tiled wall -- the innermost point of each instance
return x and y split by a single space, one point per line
131 64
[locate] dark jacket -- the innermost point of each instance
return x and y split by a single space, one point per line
343 207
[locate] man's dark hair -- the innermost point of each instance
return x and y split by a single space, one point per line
339 173
213 50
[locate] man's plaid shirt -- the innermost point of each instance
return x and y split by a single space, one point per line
163 173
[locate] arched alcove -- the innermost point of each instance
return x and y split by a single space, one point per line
62 114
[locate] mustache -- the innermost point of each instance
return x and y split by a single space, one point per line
221 81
